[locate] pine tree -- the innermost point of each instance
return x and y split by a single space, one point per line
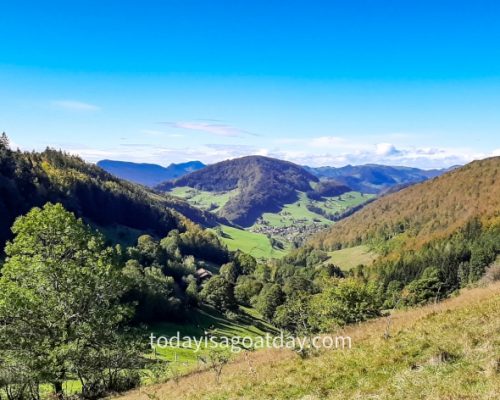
4 141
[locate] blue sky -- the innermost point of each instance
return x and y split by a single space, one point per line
316 82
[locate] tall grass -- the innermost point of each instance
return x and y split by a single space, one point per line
449 350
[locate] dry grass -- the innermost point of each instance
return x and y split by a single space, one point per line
449 350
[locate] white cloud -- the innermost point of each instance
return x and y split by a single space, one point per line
13 145
73 105
164 155
386 149
389 154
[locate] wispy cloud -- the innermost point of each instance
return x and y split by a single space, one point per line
211 126
74 105
153 132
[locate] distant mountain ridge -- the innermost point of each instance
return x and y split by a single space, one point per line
375 178
148 174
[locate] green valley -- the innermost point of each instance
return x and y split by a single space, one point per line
315 258
223 200
274 232
209 201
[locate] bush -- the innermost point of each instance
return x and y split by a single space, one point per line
220 293
345 301
428 287
246 288
269 299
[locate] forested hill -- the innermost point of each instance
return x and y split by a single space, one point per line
227 175
422 212
32 179
264 185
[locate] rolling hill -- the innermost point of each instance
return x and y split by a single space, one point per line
373 178
259 185
278 203
422 212
148 174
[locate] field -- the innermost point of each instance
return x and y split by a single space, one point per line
343 202
256 244
293 213
351 257
205 200
295 222
298 212
298 221
449 350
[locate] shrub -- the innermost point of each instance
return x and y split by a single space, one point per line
345 301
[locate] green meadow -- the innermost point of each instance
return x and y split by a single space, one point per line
351 257
256 244
212 201
205 322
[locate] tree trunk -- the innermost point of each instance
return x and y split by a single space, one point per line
58 389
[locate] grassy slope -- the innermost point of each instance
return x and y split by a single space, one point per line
298 212
203 199
256 244
294 212
450 350
341 203
351 257
249 323
290 214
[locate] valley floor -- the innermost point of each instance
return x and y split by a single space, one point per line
449 350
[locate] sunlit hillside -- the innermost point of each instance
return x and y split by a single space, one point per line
448 350
424 211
